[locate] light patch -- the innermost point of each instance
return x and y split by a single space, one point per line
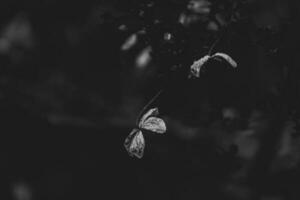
21 191
212 26
122 27
150 4
167 36
182 19
130 42
17 33
199 6
230 113
144 58
186 19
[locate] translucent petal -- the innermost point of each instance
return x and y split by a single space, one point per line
151 113
135 143
227 58
196 67
155 125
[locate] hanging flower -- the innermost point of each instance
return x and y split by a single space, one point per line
135 142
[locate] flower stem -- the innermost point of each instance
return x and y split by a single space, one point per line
148 104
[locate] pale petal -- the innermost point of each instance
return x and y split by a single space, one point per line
155 125
135 143
227 58
196 67
151 113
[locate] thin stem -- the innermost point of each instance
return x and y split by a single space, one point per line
213 46
148 104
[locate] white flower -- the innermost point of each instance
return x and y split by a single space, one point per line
135 142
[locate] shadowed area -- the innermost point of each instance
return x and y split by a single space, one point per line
75 76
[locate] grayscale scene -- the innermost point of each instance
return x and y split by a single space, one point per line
150 100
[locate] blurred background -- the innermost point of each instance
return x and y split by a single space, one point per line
75 75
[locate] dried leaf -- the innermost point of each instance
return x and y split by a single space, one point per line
196 67
151 113
130 42
155 125
135 143
227 58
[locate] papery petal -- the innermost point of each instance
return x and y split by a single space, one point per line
227 58
151 113
135 143
155 125
196 67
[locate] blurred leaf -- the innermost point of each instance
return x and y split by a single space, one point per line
22 191
123 27
199 6
212 26
130 42
143 58
18 33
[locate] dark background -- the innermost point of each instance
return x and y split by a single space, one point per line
69 96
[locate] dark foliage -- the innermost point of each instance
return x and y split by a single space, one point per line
70 93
